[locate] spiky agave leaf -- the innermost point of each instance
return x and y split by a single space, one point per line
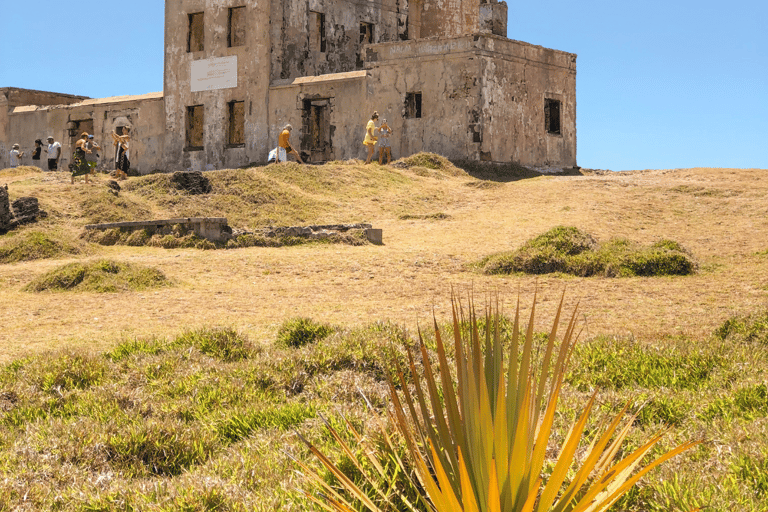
478 440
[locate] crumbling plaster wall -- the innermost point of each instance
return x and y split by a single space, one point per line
253 61
517 77
448 18
292 53
348 97
143 114
445 71
12 97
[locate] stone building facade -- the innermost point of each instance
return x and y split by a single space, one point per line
442 72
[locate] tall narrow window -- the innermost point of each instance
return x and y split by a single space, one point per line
236 124
194 127
552 116
196 34
317 32
236 33
413 105
366 33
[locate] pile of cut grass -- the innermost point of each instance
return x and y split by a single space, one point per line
571 251
100 276
28 245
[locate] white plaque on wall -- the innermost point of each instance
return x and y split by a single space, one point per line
212 74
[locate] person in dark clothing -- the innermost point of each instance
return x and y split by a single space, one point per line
37 152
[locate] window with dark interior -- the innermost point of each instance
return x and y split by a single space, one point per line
366 33
236 124
196 34
194 127
236 33
413 105
552 116
317 31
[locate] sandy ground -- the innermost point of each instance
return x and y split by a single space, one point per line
717 214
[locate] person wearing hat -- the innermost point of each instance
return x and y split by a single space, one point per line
16 156
54 154
36 153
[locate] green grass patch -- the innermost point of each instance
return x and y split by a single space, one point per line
621 363
225 344
751 328
35 245
750 403
297 332
102 276
571 251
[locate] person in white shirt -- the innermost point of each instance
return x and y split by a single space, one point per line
16 156
54 154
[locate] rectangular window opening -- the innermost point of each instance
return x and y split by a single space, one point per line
366 33
194 127
316 140
552 116
236 124
196 34
317 41
236 34
413 105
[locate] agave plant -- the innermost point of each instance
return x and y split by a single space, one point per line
477 438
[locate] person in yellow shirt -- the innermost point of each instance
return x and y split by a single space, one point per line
370 138
284 146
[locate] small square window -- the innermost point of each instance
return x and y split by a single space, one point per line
194 127
236 124
413 105
196 34
552 116
236 33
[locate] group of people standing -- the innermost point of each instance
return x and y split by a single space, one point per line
374 136
85 156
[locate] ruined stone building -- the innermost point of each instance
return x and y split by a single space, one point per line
442 72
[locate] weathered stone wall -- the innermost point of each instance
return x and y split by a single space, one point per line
346 99
253 65
12 97
143 114
294 49
517 78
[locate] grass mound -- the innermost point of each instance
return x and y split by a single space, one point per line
101 276
571 251
101 207
35 245
19 171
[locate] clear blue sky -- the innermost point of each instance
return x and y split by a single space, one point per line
661 84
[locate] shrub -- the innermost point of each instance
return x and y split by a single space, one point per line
297 332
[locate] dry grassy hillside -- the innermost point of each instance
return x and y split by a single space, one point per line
180 388
436 222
